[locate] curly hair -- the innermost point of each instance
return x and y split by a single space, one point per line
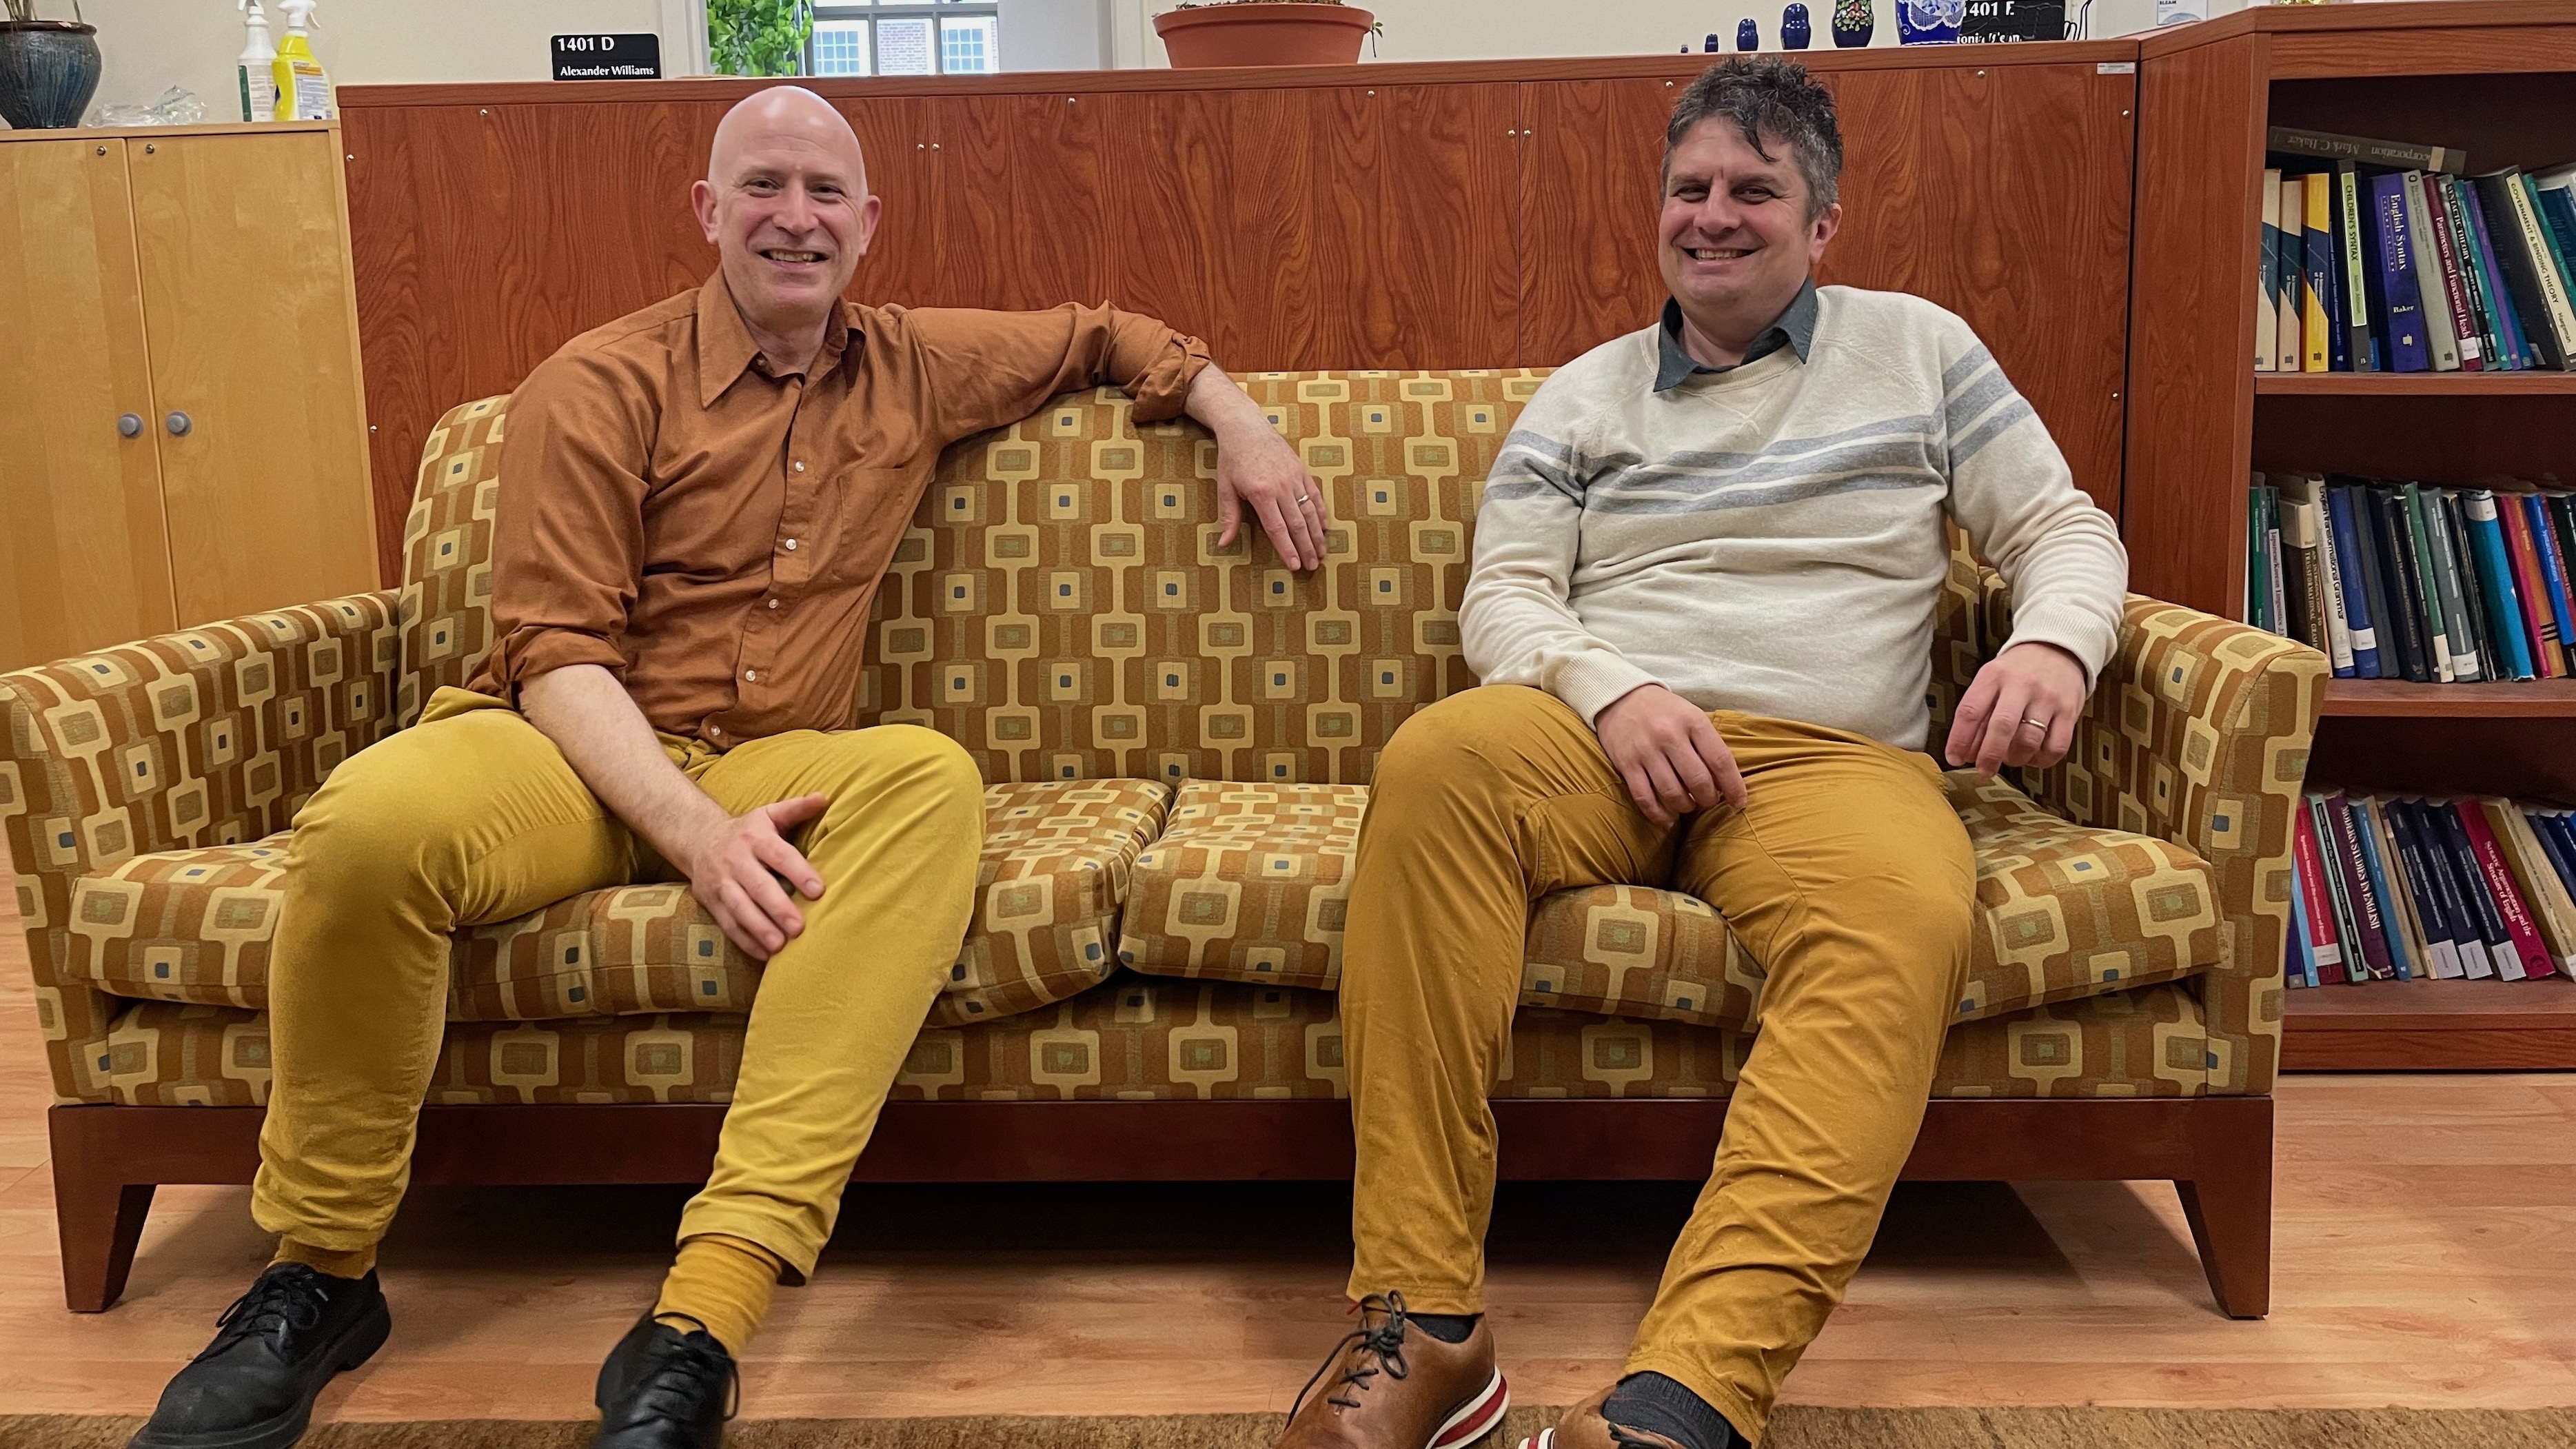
1767 96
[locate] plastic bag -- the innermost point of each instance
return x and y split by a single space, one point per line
178 106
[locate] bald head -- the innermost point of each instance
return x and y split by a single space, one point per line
786 202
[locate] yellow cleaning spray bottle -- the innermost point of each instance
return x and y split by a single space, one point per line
303 90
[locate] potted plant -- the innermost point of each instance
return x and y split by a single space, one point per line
48 68
758 37
1264 32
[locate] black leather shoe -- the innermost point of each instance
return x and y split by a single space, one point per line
274 1349
665 1389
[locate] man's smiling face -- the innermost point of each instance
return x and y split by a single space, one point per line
786 203
1735 239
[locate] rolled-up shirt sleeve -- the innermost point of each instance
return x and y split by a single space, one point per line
991 368
568 529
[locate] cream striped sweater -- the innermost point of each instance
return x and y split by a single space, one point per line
1770 539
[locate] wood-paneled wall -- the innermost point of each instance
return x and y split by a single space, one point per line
1396 216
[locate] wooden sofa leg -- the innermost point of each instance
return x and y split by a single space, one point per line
98 1217
2228 1201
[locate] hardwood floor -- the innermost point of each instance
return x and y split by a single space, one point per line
2426 1256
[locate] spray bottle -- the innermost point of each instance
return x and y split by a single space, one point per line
255 72
303 90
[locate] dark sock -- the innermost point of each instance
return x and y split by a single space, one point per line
1446 1327
1661 1405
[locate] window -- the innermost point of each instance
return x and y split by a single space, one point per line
906 37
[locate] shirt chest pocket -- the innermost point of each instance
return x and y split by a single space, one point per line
865 513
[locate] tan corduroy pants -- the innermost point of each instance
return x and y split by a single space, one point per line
473 816
1847 876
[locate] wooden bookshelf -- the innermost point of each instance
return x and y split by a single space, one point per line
2497 77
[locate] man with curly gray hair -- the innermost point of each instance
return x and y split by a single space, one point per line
1706 569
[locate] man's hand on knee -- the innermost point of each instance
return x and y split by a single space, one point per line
1665 748
737 868
2020 710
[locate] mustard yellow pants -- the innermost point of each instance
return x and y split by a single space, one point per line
1847 876
473 816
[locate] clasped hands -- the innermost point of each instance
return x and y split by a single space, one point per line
2020 710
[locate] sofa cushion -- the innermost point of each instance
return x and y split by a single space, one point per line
1250 881
194 926
1137 1039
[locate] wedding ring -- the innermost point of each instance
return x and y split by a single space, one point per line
1302 498
2043 724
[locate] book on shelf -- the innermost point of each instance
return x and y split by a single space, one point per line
2388 886
2389 256
2415 581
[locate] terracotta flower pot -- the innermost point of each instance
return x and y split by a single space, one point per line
1272 34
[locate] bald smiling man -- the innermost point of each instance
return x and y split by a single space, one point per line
696 505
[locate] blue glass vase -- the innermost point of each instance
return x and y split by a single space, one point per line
1795 31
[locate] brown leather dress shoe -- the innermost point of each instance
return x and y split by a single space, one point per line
1389 1385
1583 1427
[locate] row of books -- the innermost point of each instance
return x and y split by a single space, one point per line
2402 888
2383 256
2412 581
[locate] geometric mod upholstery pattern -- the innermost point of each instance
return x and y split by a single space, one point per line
1060 607
194 926
1143 1039
1249 884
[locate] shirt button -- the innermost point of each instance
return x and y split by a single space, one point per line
791 545
715 729
752 675
800 467
773 603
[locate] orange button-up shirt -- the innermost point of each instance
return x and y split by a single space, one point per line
713 535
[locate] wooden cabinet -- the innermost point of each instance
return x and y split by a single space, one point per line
183 433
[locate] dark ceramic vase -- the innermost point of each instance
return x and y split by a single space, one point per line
48 71
1853 21
1748 36
1795 29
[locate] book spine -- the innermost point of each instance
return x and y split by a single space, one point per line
2409 349
2557 208
2331 146
2308 885
2316 282
2351 559
2462 635
2375 582
2277 572
2558 842
2495 583
2267 265
2455 205
2437 621
2455 522
2553 570
2531 249
2441 334
2290 350
2338 625
2397 585
2392 911
2552 914
2440 942
2299 569
2455 296
2355 277
2299 971
2500 956
2321 814
2541 629
2560 244
2508 313
2530 958
2368 922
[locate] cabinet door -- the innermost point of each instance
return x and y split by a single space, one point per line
84 561
245 260
1592 157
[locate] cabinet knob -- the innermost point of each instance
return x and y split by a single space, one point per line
178 424
130 425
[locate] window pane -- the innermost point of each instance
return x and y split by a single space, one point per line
903 48
841 47
969 46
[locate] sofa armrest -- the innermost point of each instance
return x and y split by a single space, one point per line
2198 733
203 737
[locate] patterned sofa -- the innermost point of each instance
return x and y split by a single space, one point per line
1178 740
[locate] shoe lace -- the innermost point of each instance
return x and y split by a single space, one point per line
285 1302
675 1386
1382 1341
1627 1438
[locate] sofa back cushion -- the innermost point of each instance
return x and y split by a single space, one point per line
1062 608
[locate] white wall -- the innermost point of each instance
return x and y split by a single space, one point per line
150 45
1055 34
